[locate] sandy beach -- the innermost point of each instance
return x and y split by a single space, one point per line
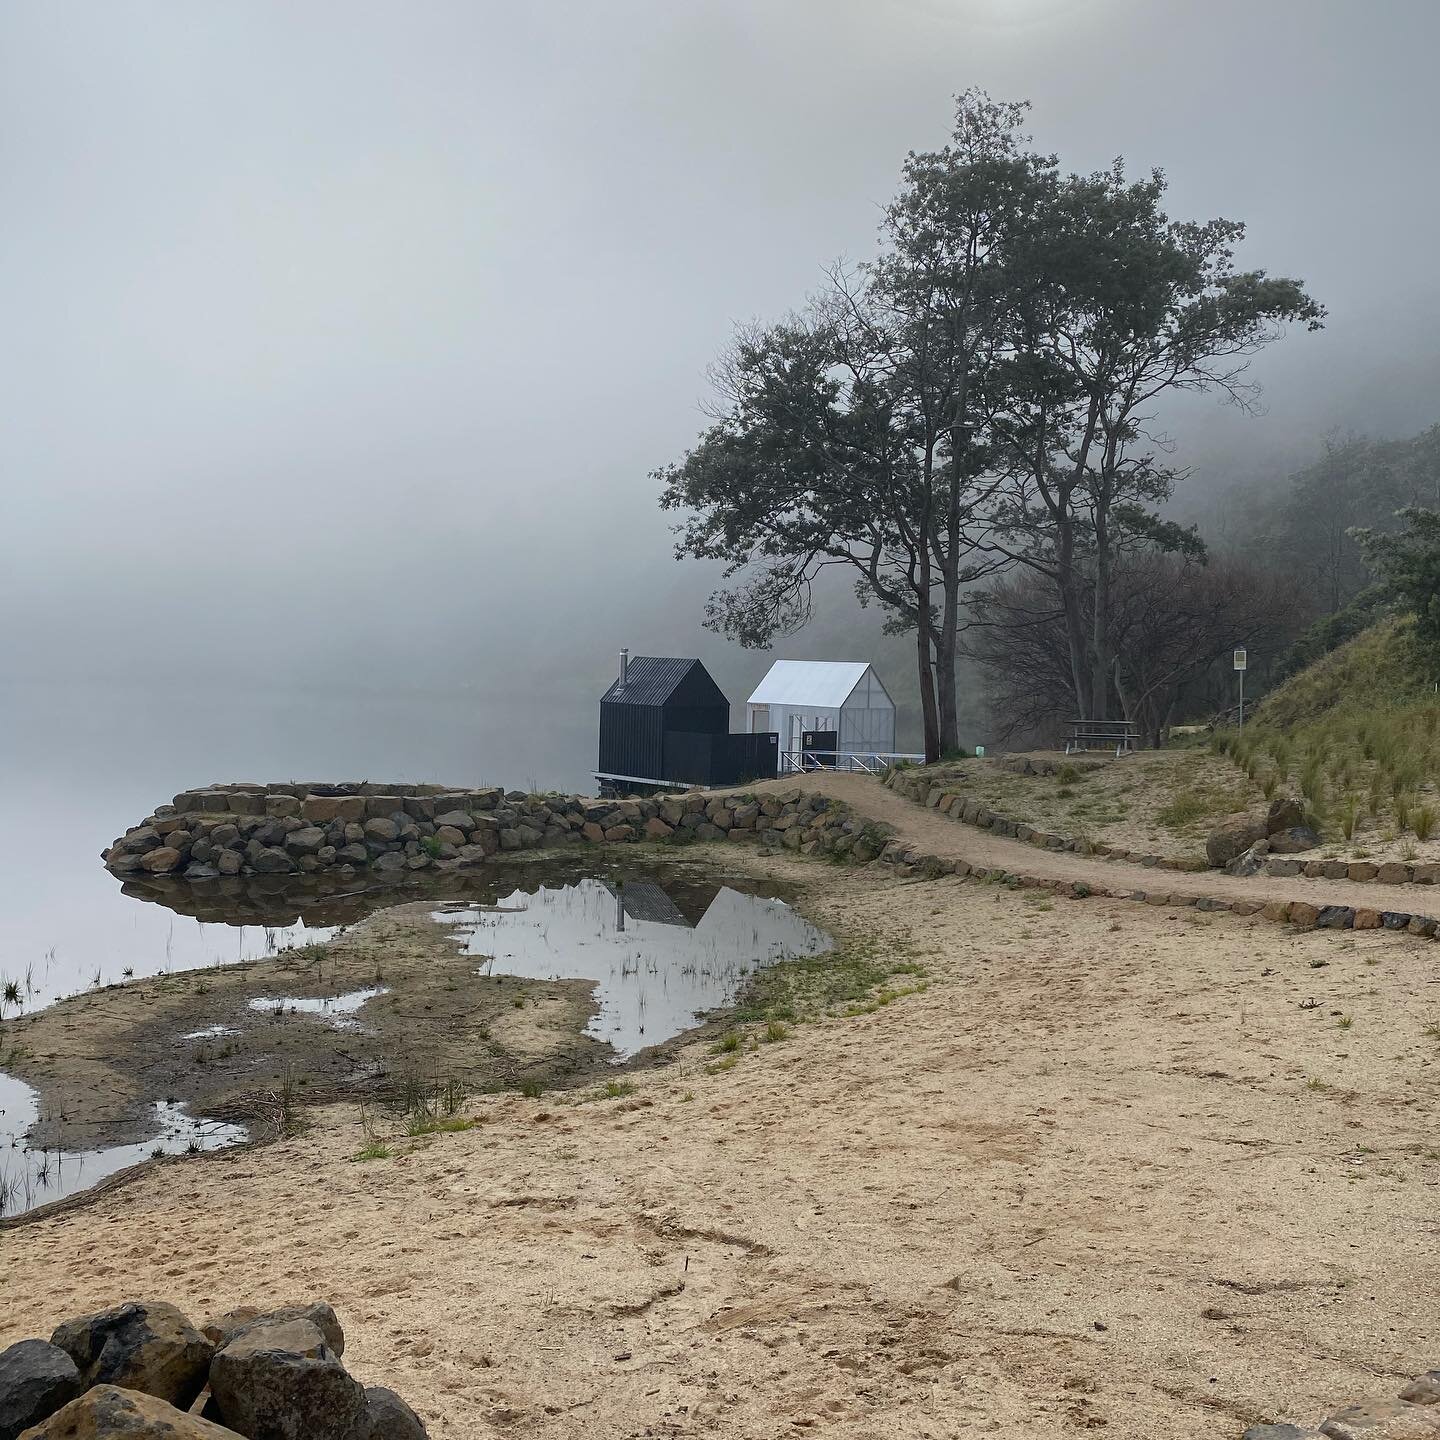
1104 1167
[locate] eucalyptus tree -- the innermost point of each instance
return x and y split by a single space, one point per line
1129 307
854 434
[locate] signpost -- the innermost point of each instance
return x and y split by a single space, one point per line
1240 671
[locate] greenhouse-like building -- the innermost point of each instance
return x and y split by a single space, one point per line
835 710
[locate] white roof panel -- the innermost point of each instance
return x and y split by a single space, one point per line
826 683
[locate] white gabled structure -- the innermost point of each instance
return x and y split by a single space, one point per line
843 696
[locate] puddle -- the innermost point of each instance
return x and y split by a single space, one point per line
336 1010
31 1177
211 1032
656 972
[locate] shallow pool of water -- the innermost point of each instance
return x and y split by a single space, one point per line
37 1177
656 970
336 1010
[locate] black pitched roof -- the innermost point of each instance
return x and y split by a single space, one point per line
657 679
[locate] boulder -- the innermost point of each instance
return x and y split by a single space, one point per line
36 1379
456 819
449 834
235 1323
380 828
305 841
1282 1431
109 1411
269 861
1248 862
657 829
388 1417
229 862
1293 839
1423 1389
161 860
278 805
1381 1420
150 1347
1285 813
391 860
1232 838
279 1380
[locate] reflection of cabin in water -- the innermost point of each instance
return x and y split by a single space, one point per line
665 722
644 900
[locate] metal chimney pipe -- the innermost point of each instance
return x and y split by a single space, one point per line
624 666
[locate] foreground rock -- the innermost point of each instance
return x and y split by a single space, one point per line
151 1348
1413 1415
272 1375
108 1411
36 1379
1237 843
279 1380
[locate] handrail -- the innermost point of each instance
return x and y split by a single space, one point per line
868 762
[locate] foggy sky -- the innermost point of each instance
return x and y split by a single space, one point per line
339 338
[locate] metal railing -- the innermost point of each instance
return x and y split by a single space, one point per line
867 762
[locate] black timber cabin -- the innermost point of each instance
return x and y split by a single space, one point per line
664 722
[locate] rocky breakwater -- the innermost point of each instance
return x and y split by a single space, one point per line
229 830
145 1372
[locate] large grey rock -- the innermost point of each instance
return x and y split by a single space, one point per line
1285 813
229 862
150 1347
1282 1431
380 828
1232 838
305 841
36 1379
1382 1420
1423 1389
1248 862
279 1380
269 861
458 819
109 1412
161 860
235 1323
1293 840
388 1417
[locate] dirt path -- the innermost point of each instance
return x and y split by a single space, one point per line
1108 1171
937 834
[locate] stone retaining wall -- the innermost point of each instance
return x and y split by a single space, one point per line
226 830
916 785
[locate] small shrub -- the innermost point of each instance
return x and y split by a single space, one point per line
532 1089
615 1089
776 1030
372 1150
1422 821
727 1044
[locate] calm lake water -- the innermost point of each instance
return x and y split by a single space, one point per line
80 765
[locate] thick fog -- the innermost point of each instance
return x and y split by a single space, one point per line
340 338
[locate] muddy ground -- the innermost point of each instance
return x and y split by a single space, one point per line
101 1059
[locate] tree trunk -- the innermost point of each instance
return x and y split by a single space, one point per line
1100 626
929 716
1074 621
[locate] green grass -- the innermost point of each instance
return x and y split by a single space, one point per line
372 1150
615 1089
422 1124
532 1089
815 985
774 1031
729 1062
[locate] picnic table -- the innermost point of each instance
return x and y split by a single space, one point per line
1116 735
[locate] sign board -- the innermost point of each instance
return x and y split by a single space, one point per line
1239 659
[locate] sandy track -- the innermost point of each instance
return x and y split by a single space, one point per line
1079 1181
938 834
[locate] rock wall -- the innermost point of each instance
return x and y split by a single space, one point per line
245 829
